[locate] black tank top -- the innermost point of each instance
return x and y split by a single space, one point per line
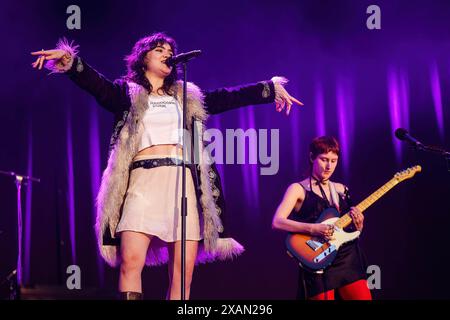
350 263
313 205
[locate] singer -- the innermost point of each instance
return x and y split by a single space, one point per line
300 208
139 198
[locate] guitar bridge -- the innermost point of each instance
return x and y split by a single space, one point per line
315 245
327 252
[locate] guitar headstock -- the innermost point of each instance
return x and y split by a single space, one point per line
407 173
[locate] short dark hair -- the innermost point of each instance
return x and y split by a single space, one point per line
136 61
323 144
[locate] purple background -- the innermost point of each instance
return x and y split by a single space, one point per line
356 84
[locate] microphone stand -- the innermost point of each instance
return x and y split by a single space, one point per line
15 277
434 150
183 59
183 190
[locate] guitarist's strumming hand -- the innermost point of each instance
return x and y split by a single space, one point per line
357 217
322 230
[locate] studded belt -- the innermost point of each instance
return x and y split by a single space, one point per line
153 163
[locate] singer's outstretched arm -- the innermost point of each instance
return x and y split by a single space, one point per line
225 99
114 97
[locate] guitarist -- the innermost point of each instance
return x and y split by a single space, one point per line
300 208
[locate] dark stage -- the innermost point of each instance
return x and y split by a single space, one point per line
357 84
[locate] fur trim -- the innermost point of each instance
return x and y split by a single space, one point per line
212 224
115 177
279 83
226 249
211 221
59 66
115 181
194 101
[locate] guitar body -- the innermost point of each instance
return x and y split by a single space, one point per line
314 253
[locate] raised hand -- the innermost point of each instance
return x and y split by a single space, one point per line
282 97
45 55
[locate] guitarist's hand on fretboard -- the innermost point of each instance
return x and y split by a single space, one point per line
357 217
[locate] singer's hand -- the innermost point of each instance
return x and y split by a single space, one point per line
282 97
44 55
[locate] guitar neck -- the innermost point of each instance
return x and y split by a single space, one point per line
345 220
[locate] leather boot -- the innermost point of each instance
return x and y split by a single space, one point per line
129 295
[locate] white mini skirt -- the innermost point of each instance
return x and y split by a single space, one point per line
153 204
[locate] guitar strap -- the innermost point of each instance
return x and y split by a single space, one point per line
334 195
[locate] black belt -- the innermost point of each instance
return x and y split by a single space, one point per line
153 163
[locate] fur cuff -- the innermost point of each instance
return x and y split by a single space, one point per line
279 83
65 63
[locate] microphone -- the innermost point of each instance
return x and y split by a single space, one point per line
182 57
403 134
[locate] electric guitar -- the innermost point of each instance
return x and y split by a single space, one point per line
315 253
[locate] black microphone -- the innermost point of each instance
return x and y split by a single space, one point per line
182 57
403 135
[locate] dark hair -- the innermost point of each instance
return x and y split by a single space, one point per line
136 61
323 144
